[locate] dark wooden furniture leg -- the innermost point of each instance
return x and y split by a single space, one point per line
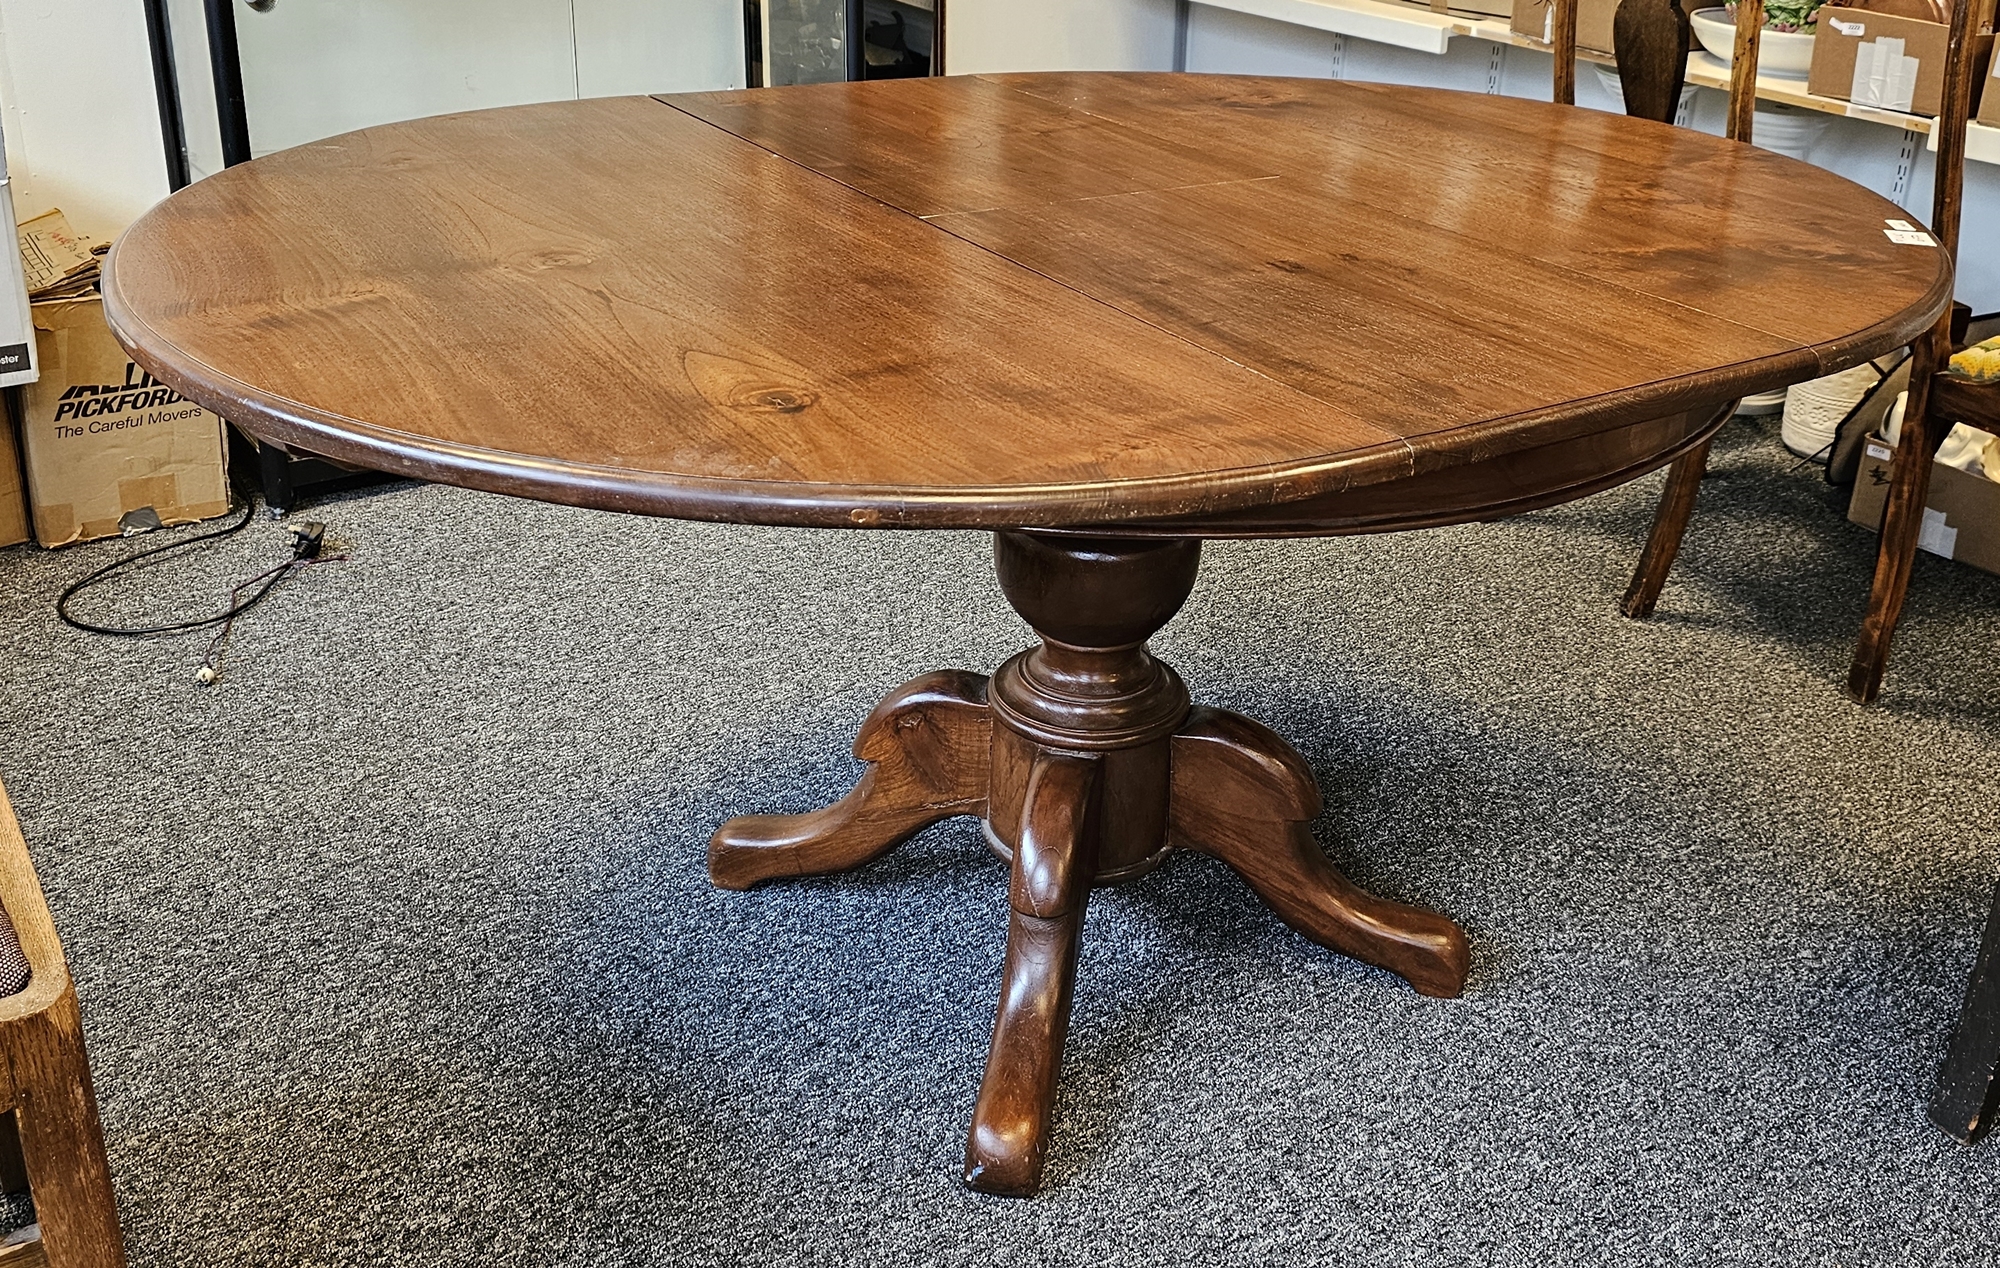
1245 796
1088 764
1963 1103
1052 870
62 1143
13 1169
1652 43
1902 519
1670 523
45 1082
927 747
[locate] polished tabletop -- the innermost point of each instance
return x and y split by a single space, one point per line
1000 301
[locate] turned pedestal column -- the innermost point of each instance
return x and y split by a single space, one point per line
1087 763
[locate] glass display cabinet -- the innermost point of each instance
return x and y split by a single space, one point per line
827 41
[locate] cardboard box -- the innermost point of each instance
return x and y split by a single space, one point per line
13 498
1961 513
17 336
1593 22
1989 98
109 449
1912 81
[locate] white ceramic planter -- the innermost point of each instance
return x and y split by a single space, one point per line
1813 409
1608 76
1787 130
1785 54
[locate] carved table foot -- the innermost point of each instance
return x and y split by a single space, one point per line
927 747
1245 796
1087 763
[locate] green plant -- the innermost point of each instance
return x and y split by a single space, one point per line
1787 15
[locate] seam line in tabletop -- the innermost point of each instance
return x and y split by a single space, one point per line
934 216
1788 347
1493 425
1101 302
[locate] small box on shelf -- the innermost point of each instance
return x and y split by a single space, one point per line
1989 99
1532 18
1961 512
1885 61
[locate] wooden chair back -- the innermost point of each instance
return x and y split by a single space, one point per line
1960 70
1936 400
1967 1094
1651 39
53 1140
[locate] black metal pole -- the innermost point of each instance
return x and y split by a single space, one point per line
753 44
857 61
167 87
226 64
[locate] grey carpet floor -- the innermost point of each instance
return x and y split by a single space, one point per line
395 945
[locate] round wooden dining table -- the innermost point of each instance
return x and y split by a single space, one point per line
1105 316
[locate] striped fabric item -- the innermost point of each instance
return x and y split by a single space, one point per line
1981 361
13 961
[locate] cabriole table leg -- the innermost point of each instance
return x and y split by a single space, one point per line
1087 763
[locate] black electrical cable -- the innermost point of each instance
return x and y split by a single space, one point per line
118 565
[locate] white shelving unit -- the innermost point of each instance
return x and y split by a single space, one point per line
1419 29
1383 21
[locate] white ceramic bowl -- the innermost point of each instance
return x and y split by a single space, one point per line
1785 54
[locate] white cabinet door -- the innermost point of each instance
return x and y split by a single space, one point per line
1003 35
313 68
635 46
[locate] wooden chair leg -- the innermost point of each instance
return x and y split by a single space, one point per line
1669 523
1963 1105
62 1142
1902 524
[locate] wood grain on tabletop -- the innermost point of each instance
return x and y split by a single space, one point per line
621 288
1140 295
1740 234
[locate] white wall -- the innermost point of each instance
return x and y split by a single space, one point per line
83 131
312 68
1002 35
